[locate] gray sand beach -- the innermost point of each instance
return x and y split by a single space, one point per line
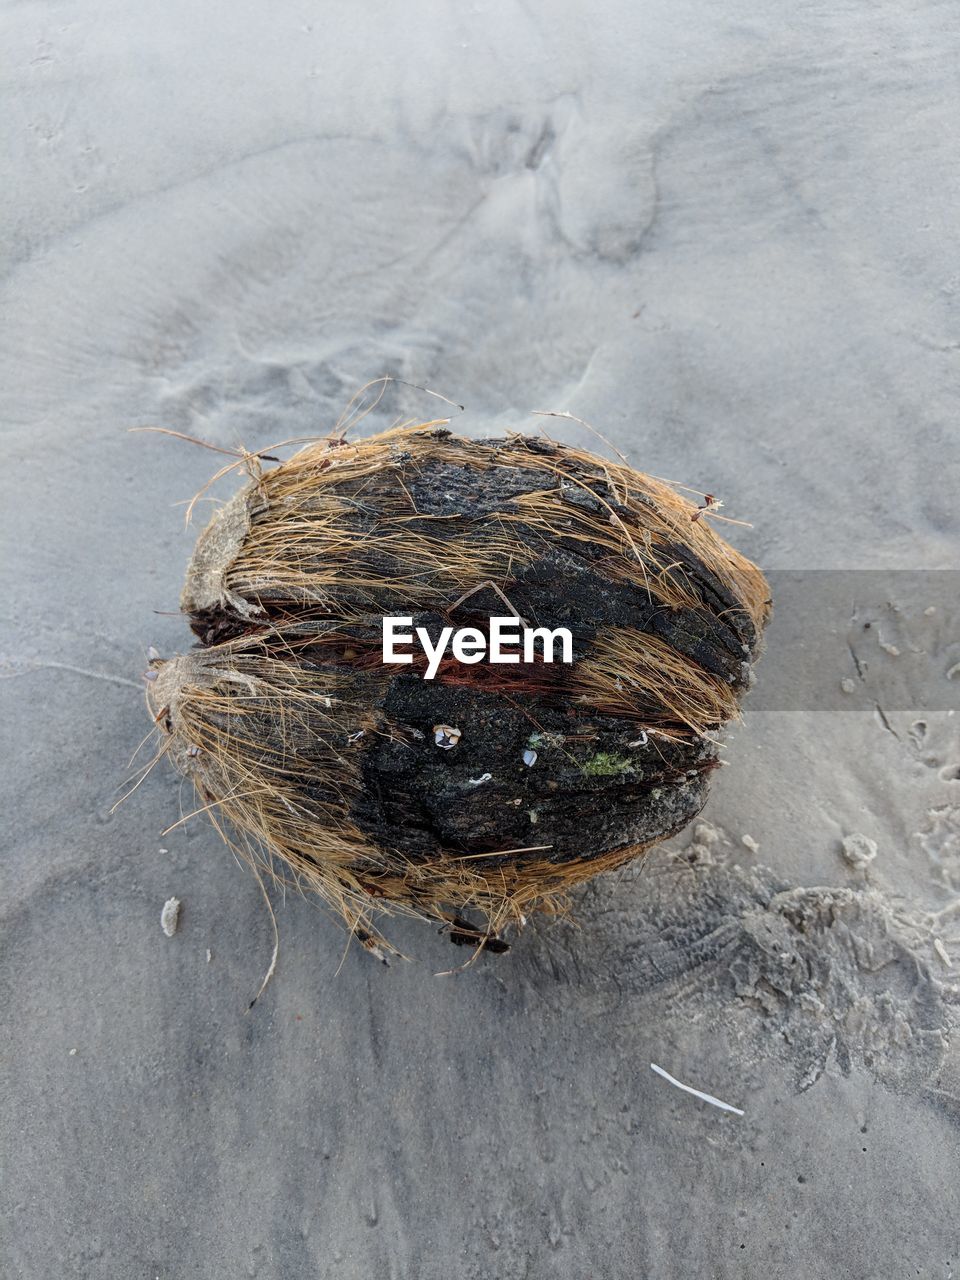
726 237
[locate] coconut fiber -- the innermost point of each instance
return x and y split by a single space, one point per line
485 793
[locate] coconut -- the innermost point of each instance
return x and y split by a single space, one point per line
485 793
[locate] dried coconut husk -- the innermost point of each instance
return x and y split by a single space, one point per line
314 757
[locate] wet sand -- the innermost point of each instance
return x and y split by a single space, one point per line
727 239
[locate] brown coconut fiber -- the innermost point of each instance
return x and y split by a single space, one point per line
482 795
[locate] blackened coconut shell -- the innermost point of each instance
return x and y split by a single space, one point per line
313 754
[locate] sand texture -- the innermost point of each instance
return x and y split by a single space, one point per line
726 236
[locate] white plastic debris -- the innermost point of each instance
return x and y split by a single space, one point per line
639 742
170 916
748 842
446 736
478 782
529 757
859 849
704 1097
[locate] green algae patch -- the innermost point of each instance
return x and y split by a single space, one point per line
606 765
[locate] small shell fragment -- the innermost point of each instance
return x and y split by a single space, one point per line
170 916
445 736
